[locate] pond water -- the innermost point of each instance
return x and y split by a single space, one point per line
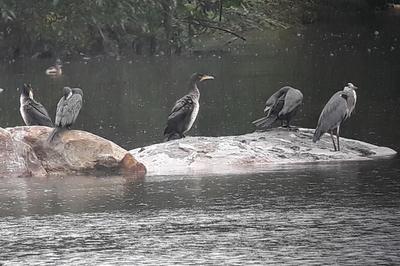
344 213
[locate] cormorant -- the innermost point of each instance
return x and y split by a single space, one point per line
55 70
33 113
338 108
282 105
67 110
185 110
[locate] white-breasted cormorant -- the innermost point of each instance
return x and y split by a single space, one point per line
33 113
282 105
185 110
337 109
67 110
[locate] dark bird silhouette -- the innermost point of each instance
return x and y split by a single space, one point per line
185 110
67 110
338 109
33 113
282 105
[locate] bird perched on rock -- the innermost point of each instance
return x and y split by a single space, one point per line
282 105
338 109
33 113
67 110
185 110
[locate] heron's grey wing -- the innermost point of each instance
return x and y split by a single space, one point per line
334 112
293 99
182 108
71 109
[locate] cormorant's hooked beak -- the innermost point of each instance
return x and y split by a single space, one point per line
352 86
205 77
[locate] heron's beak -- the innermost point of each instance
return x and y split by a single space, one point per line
205 77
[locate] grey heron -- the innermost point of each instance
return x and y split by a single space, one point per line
67 110
33 113
282 105
185 110
339 108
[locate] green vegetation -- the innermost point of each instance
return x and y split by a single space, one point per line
59 27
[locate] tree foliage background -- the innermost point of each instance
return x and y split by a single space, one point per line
45 27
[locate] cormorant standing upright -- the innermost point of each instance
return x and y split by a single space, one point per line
282 105
33 113
67 110
185 110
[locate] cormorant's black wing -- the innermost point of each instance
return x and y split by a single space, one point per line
179 115
183 107
293 99
39 113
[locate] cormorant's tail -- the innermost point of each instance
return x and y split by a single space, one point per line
317 134
54 133
170 134
265 122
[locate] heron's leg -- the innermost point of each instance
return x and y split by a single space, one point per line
337 136
333 140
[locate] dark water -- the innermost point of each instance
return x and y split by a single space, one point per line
320 214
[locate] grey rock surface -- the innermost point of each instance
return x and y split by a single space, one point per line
250 153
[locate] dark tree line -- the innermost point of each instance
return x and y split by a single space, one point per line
45 28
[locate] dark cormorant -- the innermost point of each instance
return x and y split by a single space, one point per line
185 110
282 105
33 113
338 108
67 110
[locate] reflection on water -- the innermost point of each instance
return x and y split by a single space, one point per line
322 215
337 214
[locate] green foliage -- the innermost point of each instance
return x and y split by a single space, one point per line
98 26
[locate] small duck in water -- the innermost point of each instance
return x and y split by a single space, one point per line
55 70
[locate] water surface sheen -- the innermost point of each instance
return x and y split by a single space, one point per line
316 214
344 214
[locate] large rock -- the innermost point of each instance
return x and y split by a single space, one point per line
248 153
26 152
